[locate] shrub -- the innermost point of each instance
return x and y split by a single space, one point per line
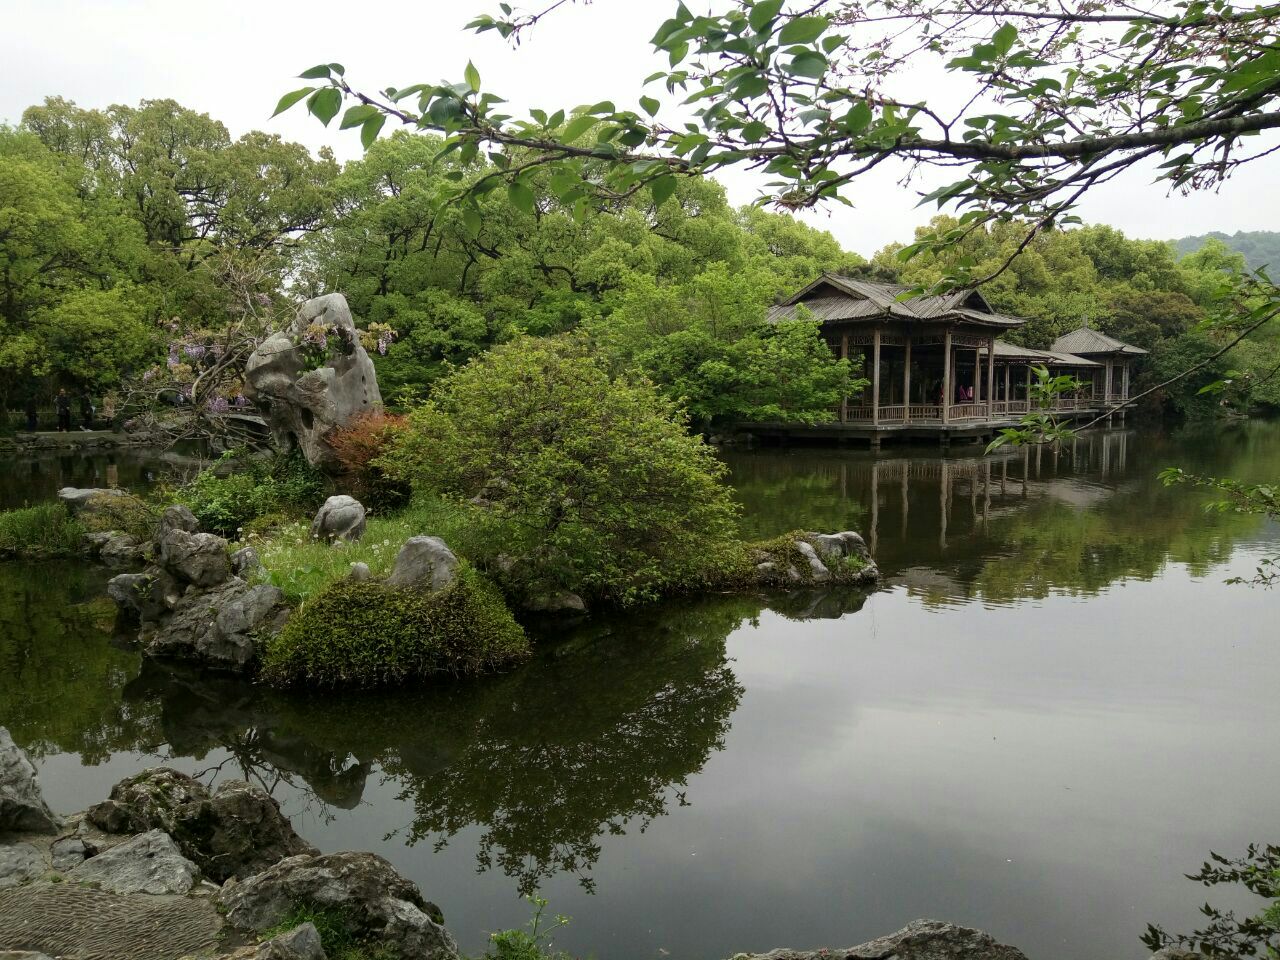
39 532
128 514
334 926
357 446
365 633
589 483
253 488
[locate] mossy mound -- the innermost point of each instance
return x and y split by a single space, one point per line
366 634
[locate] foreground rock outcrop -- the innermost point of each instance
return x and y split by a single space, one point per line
918 940
235 831
313 377
815 559
22 806
378 904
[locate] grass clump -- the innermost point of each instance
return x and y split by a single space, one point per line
41 532
365 634
336 933
303 566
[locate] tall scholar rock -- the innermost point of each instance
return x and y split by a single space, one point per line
313 377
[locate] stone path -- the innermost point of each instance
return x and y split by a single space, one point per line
81 923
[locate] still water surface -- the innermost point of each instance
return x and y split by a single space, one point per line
1051 710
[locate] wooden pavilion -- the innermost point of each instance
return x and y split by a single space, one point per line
937 365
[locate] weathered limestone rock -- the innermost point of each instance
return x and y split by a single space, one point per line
245 563
22 806
1176 953
302 405
918 940
381 905
67 853
19 863
818 571
359 571
88 499
221 629
832 546
23 955
121 550
198 558
236 831
145 596
148 863
300 943
339 518
424 564
176 516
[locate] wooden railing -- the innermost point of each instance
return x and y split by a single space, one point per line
926 411
968 411
858 413
893 414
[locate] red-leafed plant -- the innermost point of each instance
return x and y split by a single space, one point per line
357 445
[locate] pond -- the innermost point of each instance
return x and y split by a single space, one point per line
1052 709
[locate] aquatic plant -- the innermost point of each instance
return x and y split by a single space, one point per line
39 532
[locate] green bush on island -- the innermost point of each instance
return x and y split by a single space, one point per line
570 478
239 489
39 532
107 512
365 633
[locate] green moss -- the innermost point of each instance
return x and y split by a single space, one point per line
40 532
364 634
335 929
128 514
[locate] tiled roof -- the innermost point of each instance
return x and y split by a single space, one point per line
1086 340
1011 351
848 299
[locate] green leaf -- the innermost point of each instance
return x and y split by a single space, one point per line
578 126
357 115
763 13
521 196
289 99
319 72
370 130
810 64
650 105
325 104
472 76
471 219
1004 38
803 30
662 189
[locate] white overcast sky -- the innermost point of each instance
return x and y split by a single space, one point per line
233 59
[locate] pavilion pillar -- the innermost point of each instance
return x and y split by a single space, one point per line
875 376
906 383
844 355
977 375
1124 390
1028 387
946 375
1008 397
991 375
1106 396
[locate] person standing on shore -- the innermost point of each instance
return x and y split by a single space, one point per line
63 404
87 412
33 414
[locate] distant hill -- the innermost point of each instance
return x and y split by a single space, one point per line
1260 247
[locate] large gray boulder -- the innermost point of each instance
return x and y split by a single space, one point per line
197 558
22 806
121 550
303 404
148 863
918 940
381 907
177 516
20 863
236 831
221 629
424 565
339 518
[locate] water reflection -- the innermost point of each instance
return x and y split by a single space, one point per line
1018 524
